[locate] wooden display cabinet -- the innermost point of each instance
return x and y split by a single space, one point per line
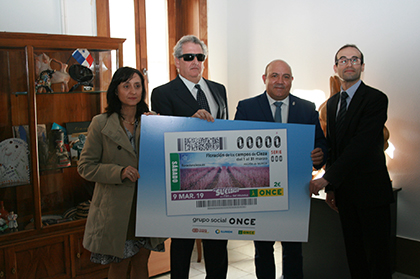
39 189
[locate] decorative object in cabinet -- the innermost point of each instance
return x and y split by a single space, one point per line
83 75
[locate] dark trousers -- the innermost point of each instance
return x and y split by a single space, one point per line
265 267
366 234
215 258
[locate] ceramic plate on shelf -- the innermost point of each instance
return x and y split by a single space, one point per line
14 162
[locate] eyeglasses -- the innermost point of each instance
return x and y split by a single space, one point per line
343 61
190 57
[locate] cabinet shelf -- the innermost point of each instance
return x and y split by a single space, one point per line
73 92
14 185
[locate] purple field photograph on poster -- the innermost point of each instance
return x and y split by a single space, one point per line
224 177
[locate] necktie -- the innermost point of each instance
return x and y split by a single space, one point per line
277 114
201 99
342 112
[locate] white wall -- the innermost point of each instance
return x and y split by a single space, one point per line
122 26
71 17
244 35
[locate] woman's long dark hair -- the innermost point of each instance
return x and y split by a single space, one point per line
114 104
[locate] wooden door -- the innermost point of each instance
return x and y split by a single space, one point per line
80 257
43 258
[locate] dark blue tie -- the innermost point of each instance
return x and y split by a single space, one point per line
342 112
201 99
277 114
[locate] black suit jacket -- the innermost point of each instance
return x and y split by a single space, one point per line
300 112
356 167
175 99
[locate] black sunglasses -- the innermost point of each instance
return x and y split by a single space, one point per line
190 57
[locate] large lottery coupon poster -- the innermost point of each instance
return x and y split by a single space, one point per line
226 171
224 179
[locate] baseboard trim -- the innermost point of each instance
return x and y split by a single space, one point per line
408 256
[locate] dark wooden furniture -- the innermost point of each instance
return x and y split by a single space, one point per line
38 249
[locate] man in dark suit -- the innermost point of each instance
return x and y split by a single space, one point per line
356 178
278 81
182 97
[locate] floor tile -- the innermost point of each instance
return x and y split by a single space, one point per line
241 262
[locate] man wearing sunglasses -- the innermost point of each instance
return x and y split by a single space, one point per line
356 178
189 94
179 96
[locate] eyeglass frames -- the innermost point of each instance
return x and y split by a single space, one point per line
344 60
190 57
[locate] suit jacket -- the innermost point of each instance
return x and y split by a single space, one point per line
175 99
106 153
300 112
356 167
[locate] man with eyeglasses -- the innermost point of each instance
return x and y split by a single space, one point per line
189 94
356 179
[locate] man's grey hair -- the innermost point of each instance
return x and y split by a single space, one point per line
186 39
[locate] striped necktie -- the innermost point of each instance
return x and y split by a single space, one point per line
342 112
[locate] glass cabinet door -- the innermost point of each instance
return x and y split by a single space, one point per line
16 191
51 86
77 80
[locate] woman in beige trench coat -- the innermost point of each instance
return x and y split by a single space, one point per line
110 158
